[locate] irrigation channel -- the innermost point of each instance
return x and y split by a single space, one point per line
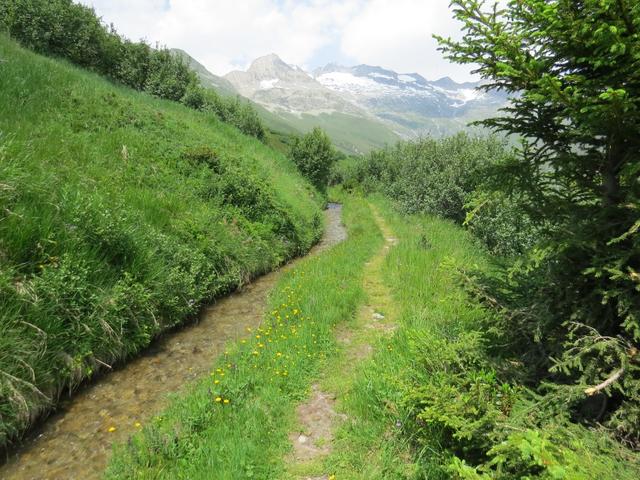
75 442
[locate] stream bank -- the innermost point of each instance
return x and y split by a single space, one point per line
75 442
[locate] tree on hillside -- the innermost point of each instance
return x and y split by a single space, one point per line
314 155
573 69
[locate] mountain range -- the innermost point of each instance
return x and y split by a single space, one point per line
361 107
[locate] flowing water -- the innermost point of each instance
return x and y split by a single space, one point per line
75 443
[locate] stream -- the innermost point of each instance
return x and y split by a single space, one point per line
75 442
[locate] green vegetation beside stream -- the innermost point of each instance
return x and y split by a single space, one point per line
120 216
236 422
442 392
435 400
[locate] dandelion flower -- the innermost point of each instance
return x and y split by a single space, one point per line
111 429
226 400
218 399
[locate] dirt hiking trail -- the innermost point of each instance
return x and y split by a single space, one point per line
320 415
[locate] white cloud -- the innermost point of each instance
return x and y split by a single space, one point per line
397 34
228 34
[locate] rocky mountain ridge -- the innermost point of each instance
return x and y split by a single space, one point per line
278 86
406 103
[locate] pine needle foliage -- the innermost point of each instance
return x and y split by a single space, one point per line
572 69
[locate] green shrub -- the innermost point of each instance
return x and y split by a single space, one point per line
429 175
555 453
576 170
501 223
314 155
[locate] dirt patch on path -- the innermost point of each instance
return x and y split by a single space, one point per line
318 416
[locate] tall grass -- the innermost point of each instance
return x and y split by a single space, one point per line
120 216
438 390
261 378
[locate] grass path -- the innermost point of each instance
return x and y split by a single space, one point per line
314 438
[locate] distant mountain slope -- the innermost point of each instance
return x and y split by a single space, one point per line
278 86
407 104
361 107
207 78
295 97
412 104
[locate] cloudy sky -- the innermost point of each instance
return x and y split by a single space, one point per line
228 34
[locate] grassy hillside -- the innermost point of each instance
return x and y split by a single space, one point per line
120 215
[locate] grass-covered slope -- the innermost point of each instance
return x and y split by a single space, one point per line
350 134
120 214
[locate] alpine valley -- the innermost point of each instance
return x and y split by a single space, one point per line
361 107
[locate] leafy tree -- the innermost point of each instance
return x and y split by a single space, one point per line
168 77
573 70
314 156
